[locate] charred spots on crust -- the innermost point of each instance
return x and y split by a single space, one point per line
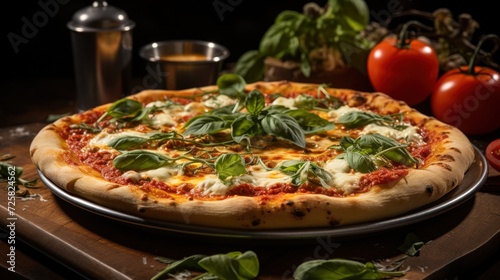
334 222
141 209
256 222
356 100
446 157
429 189
299 213
289 203
444 166
456 150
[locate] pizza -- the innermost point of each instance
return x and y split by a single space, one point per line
265 155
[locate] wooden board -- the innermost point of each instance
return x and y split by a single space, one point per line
456 243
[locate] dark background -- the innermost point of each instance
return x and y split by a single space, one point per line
31 74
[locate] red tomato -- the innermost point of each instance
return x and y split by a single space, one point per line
407 73
468 101
493 154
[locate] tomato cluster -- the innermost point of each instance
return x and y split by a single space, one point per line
408 70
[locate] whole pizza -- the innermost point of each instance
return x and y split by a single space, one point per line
266 155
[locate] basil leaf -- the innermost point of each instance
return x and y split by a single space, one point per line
356 119
250 66
324 176
284 126
140 160
297 169
412 245
232 85
310 122
336 269
127 142
388 147
359 162
301 170
243 128
124 108
288 16
233 265
229 165
206 124
275 41
255 102
225 110
188 263
355 13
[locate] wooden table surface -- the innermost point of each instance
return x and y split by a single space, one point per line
57 240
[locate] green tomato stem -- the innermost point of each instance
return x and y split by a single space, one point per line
403 34
472 62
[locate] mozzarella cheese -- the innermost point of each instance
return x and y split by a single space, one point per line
343 177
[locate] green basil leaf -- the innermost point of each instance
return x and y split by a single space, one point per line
234 265
255 102
229 165
359 162
288 16
356 119
310 122
243 128
225 110
127 142
388 147
188 263
297 169
324 176
124 108
206 124
232 85
284 126
275 41
412 245
346 142
355 13
140 160
336 269
250 66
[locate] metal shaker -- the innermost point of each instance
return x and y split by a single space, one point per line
101 37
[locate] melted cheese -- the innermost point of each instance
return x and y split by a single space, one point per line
219 101
343 177
409 134
102 139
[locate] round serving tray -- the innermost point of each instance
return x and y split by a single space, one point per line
473 180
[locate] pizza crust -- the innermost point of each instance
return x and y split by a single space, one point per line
443 170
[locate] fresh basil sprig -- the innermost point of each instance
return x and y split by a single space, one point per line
355 119
10 173
368 151
294 36
291 125
233 265
334 269
323 102
301 172
140 160
229 165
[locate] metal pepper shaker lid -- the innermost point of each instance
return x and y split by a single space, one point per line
101 36
100 17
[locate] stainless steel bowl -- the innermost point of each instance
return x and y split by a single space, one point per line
182 64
